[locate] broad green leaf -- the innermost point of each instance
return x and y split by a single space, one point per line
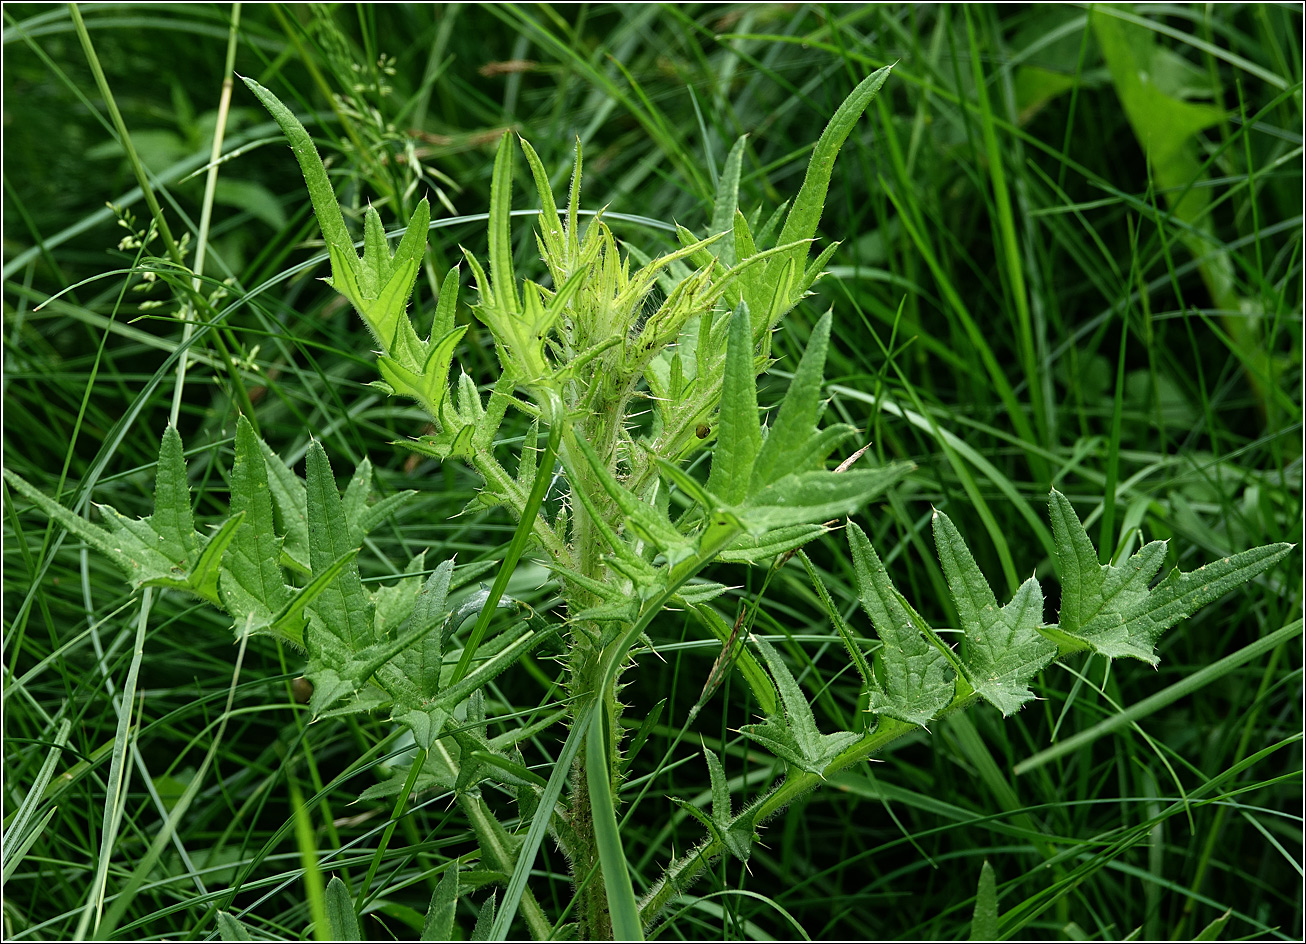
413 676
136 546
471 738
325 207
1213 930
793 736
812 497
376 252
984 923
341 616
747 281
1004 648
805 213
290 503
745 247
753 549
172 520
230 928
251 581
97 537
739 435
1110 606
340 912
777 296
795 423
379 285
1163 122
343 608
444 905
913 681
727 202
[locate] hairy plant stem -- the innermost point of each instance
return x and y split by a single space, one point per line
593 917
595 672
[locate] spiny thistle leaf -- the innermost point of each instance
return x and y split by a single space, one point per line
1004 648
777 483
380 284
914 681
1110 606
154 551
793 735
252 585
808 497
413 676
172 519
727 201
290 502
329 218
805 213
342 621
739 437
795 423
735 833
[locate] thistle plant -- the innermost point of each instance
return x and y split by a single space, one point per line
622 397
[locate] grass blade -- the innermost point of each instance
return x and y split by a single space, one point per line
1136 712
616 877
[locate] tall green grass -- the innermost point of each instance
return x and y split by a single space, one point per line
1022 300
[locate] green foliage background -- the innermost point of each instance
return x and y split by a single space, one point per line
1021 300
